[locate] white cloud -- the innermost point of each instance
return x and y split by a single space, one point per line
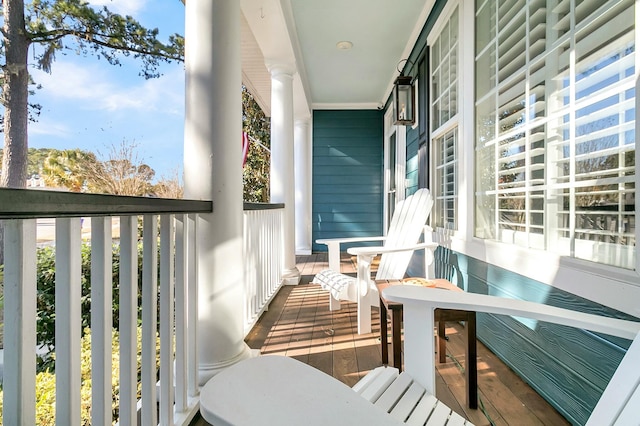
123 7
49 128
93 88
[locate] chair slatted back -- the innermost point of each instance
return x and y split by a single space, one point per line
405 229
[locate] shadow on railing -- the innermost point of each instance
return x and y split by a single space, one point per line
263 257
140 301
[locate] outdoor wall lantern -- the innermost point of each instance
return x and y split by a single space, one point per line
404 101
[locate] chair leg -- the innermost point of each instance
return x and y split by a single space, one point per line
334 304
364 315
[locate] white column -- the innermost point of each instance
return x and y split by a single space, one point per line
302 168
213 170
282 177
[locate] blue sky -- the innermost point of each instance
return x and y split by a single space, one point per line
91 105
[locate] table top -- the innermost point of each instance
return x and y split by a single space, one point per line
440 283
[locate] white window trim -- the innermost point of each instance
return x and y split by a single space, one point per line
401 163
463 120
614 287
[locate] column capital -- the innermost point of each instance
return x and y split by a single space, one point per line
281 69
302 121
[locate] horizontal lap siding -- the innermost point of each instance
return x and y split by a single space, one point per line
569 367
347 174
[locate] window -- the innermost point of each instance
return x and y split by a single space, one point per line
444 119
446 177
555 127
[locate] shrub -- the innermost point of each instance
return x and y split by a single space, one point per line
46 294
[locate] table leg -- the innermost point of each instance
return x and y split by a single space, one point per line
396 337
442 342
471 370
384 343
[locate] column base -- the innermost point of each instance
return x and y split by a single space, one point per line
303 251
291 276
206 372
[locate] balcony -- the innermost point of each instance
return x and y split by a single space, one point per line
297 322
156 302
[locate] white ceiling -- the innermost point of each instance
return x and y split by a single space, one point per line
304 34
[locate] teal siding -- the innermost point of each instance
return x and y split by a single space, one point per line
570 368
347 174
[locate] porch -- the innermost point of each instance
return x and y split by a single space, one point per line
298 324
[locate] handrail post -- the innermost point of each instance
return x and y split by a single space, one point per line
20 314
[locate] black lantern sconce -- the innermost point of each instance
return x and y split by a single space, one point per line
404 108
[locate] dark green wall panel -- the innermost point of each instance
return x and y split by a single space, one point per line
347 174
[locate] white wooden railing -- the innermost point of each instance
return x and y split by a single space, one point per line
264 258
177 394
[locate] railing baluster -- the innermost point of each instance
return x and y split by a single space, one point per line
264 260
68 292
101 320
166 319
149 318
20 210
192 306
19 373
128 318
181 314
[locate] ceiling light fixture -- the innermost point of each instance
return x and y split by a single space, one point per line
344 45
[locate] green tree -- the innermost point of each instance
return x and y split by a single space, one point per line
67 169
64 24
255 174
35 160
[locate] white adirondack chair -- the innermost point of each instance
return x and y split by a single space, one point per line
407 224
280 390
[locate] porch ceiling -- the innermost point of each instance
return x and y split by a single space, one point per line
304 34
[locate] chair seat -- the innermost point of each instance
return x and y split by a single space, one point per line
339 285
404 399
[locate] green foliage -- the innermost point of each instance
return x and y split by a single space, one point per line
97 32
67 168
255 174
45 303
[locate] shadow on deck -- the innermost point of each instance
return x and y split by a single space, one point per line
299 324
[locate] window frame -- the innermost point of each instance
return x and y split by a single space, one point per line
454 122
611 286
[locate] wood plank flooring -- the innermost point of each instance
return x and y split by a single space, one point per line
299 324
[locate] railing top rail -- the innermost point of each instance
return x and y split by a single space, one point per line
31 203
263 206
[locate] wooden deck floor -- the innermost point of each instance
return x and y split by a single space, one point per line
299 324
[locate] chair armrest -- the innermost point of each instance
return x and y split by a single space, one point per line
328 241
419 304
333 245
374 251
426 299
